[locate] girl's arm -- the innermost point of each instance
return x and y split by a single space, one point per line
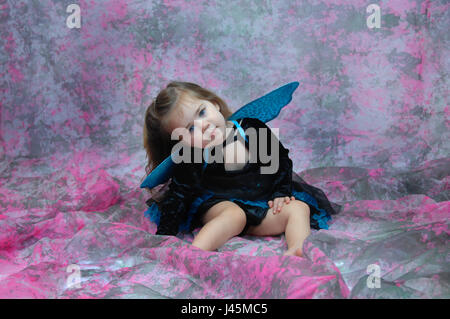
283 177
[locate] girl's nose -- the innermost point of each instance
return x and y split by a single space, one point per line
205 126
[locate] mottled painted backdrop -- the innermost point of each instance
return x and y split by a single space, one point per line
369 124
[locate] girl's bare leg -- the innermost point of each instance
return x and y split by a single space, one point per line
293 220
297 229
221 222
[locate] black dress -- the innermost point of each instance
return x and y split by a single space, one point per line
196 187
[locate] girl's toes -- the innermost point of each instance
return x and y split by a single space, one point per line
298 252
294 252
288 253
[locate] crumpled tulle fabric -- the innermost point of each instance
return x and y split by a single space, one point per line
50 235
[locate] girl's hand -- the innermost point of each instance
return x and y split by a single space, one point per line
279 202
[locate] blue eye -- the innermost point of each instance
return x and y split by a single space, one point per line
201 113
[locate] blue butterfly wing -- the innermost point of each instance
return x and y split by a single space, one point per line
265 108
160 174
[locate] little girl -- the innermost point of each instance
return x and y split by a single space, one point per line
229 197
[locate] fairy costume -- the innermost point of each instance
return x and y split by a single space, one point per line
196 187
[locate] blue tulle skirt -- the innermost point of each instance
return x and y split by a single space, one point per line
320 219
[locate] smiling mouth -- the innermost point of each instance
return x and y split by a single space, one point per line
210 131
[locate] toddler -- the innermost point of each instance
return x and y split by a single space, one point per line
231 195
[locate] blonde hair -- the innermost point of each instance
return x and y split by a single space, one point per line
157 141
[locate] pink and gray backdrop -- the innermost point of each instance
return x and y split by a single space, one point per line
369 124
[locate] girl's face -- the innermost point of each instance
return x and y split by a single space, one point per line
199 122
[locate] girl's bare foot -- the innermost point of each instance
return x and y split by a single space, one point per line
294 252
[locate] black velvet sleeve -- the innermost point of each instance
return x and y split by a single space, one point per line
283 176
176 201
